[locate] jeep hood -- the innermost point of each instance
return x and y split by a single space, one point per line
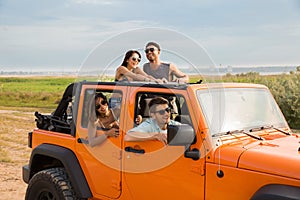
274 156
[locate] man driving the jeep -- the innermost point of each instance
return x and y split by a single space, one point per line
154 128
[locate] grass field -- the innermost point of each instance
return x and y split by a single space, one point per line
40 92
46 92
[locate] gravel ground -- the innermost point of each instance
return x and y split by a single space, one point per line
14 152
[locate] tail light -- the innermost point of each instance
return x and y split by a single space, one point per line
30 139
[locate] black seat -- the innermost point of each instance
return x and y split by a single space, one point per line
184 116
58 121
52 123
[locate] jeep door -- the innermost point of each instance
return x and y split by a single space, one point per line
101 163
153 170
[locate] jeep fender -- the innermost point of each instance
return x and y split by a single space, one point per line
57 156
276 192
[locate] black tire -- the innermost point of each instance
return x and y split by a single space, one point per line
50 184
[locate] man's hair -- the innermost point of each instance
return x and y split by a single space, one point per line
156 101
153 44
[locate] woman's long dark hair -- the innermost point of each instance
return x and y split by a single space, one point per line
93 113
128 55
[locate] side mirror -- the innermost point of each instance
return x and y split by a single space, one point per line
180 135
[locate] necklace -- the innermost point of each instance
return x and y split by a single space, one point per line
105 115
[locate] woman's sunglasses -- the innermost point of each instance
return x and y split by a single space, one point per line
103 103
136 59
150 49
162 112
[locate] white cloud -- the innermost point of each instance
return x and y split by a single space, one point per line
64 31
62 41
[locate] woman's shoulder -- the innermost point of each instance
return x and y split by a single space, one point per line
136 69
122 68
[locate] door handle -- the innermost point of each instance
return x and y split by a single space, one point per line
133 150
82 140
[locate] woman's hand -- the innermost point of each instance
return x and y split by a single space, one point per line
114 124
163 80
113 132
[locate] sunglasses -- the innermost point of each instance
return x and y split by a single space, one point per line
103 103
162 112
136 59
150 49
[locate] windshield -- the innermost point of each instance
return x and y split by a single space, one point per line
228 109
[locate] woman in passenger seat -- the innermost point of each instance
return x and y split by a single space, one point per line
103 118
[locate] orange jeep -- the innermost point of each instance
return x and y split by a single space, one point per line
233 143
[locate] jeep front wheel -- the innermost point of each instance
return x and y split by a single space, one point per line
50 184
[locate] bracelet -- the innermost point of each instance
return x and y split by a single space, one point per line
106 136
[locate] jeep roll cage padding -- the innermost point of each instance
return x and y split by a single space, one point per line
61 157
61 109
277 192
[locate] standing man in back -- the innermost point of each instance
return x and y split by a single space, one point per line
160 70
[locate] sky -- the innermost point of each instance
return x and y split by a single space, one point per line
39 35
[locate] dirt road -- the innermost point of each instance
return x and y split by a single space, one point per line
14 153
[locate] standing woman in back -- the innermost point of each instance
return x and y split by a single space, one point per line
129 69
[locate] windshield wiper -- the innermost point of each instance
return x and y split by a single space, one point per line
238 131
249 134
282 131
227 133
268 127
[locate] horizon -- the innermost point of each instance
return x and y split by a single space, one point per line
67 69
234 70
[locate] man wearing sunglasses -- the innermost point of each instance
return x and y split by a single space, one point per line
160 70
154 128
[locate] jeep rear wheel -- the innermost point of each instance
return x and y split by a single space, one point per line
50 184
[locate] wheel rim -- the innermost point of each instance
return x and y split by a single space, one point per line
46 195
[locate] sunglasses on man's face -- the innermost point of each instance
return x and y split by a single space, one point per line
136 59
103 103
150 50
163 111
